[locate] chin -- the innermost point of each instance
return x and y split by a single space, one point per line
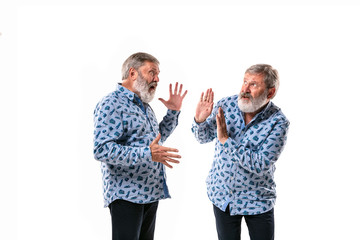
148 97
246 107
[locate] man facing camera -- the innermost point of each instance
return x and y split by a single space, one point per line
250 133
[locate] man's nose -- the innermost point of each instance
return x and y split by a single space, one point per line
245 88
156 78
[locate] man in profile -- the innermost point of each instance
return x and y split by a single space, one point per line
128 142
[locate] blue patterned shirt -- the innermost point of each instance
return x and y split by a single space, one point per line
124 129
242 173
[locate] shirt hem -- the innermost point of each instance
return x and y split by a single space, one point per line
107 203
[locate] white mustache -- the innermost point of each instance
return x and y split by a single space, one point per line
152 84
247 95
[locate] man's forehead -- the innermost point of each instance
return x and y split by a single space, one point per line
254 76
151 66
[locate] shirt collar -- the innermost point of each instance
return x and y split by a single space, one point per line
126 92
133 97
268 110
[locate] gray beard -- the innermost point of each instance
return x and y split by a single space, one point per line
142 87
254 104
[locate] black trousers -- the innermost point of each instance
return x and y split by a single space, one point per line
131 221
261 227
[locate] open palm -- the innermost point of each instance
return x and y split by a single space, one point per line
205 106
175 99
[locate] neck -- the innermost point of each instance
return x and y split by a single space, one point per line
128 84
249 117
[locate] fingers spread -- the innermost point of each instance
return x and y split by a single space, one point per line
184 94
173 155
172 160
170 89
166 164
167 149
176 88
167 160
180 90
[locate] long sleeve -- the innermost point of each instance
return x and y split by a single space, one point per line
124 130
242 173
108 135
206 131
168 124
262 157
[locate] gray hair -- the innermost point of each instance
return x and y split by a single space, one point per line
271 75
136 61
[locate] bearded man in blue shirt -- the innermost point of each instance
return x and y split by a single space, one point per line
250 133
128 142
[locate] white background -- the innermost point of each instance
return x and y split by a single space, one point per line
59 59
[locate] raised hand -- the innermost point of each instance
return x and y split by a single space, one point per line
205 106
221 126
175 99
162 154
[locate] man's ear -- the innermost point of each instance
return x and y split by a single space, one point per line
271 93
133 74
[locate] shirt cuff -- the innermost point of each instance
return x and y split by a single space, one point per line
231 148
173 113
199 125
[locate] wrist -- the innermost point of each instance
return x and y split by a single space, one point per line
174 109
199 120
223 140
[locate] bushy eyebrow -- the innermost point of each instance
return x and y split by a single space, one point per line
249 81
154 70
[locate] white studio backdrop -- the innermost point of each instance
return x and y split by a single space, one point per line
70 56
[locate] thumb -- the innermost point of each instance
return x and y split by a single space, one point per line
162 100
156 140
